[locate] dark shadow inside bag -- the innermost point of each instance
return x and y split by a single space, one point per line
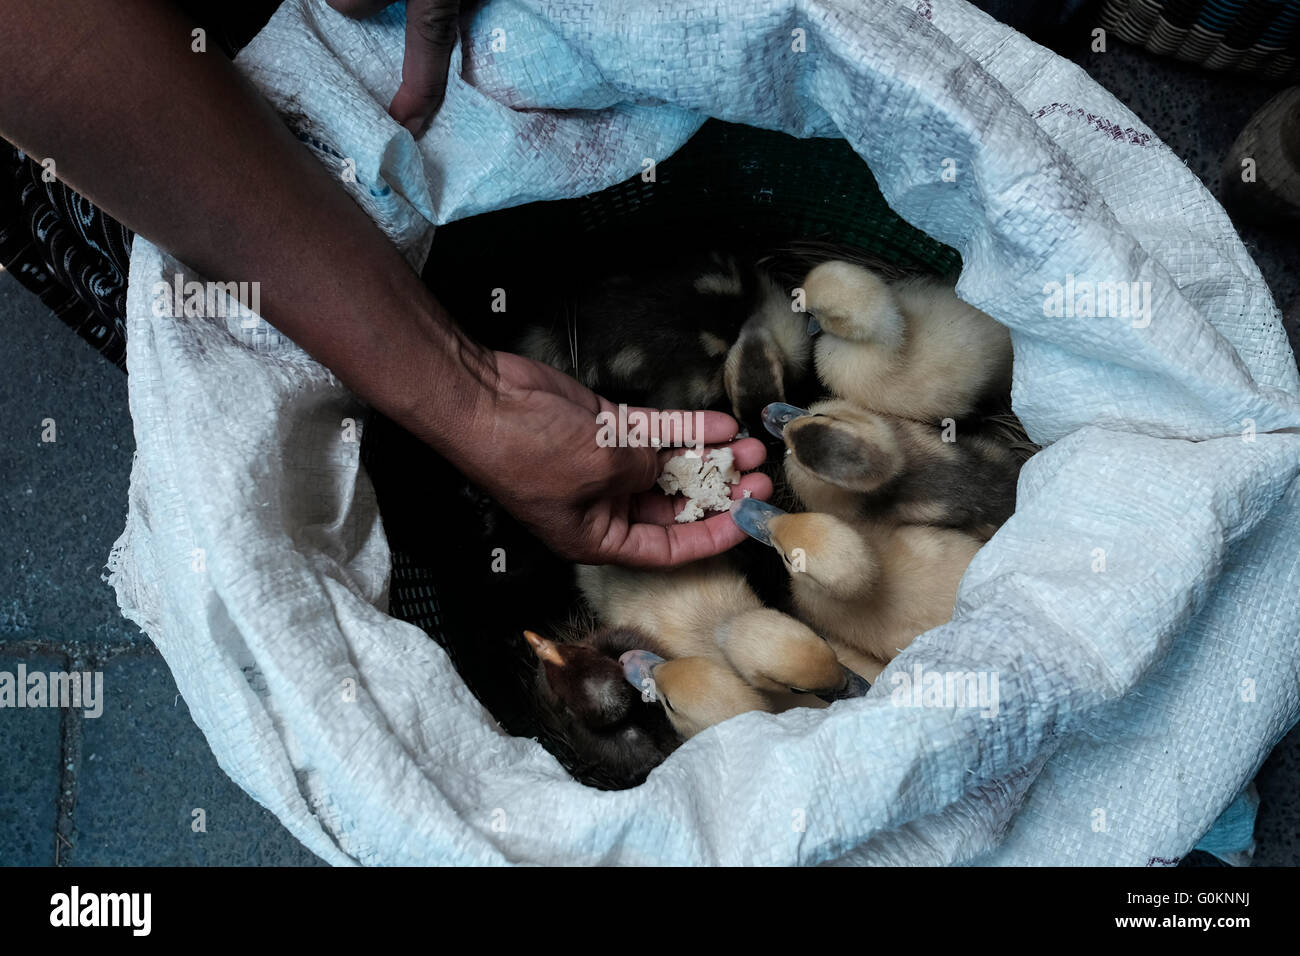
729 185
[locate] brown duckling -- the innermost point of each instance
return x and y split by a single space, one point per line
652 331
870 586
614 734
771 359
688 330
848 461
911 348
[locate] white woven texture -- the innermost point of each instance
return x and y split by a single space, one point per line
1134 702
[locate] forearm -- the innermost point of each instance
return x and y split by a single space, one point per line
180 147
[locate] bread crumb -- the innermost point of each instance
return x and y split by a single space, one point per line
704 481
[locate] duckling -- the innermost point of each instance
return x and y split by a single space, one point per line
695 692
612 735
729 655
911 348
869 585
656 333
694 330
707 609
620 707
771 358
848 461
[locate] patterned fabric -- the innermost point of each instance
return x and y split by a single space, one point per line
1245 36
65 249
61 247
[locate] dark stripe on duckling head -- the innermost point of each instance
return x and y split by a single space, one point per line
757 379
836 455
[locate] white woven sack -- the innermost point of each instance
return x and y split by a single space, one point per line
1134 702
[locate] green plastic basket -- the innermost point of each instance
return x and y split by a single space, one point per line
728 183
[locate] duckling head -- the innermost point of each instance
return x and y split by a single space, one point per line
614 736
588 683
777 653
851 302
694 692
836 445
769 358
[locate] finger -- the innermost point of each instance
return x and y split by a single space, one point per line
679 428
718 427
667 546
360 9
757 484
432 27
749 453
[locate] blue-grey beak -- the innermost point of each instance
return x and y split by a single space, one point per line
813 325
777 415
753 517
638 670
855 685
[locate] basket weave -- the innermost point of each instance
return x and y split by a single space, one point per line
1261 37
728 183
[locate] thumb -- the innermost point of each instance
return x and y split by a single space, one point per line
432 27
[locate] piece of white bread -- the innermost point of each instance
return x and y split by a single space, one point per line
705 481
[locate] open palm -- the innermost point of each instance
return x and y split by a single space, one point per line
534 448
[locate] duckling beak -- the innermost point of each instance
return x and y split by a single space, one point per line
777 415
638 669
813 325
544 649
855 685
753 517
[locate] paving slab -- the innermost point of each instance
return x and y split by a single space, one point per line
62 502
145 768
30 769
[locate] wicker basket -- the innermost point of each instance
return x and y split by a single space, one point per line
1261 37
728 182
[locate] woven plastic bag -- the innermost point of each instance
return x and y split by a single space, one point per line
1139 610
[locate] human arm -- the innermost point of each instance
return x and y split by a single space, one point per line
181 148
